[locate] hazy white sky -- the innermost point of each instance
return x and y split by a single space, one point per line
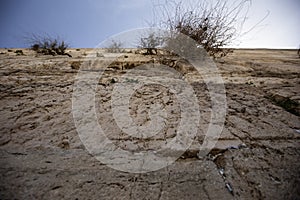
85 23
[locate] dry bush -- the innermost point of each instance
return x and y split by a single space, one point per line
151 43
48 45
19 52
114 47
212 24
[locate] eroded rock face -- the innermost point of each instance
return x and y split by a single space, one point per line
257 154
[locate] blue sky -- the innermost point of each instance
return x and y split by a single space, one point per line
85 23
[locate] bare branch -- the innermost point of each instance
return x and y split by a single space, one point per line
212 24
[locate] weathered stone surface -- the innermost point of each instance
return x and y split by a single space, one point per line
42 156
